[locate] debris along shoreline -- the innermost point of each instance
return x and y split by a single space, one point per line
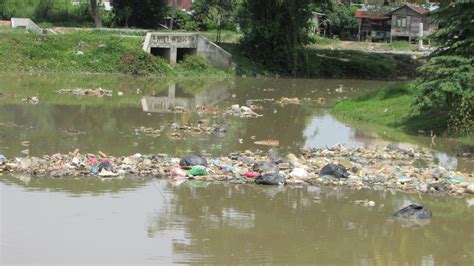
379 168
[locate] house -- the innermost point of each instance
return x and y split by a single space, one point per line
319 23
184 5
405 22
373 25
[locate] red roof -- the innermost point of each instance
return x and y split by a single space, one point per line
365 14
419 9
181 4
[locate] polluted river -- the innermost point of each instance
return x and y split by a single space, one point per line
56 210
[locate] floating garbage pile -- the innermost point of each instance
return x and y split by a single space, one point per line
388 168
99 92
242 111
31 100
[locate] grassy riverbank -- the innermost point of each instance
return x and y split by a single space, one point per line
98 51
388 112
88 52
327 63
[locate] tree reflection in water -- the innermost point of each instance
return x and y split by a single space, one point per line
256 224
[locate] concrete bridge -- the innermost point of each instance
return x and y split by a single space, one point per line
174 46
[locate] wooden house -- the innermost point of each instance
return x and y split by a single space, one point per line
320 24
373 26
405 22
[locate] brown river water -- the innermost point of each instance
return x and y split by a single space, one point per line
135 221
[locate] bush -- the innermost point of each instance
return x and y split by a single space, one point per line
343 22
195 63
139 14
141 63
446 83
57 12
185 21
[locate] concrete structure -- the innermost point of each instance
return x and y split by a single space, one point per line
176 98
174 46
28 24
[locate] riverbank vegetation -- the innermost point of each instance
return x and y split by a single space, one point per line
441 99
89 52
390 110
446 83
276 40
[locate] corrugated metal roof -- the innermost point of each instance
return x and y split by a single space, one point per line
369 15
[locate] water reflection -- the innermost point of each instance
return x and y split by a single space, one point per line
176 97
248 224
74 186
221 223
61 122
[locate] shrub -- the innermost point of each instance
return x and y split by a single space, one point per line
196 63
141 63
446 83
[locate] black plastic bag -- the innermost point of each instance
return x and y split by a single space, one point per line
192 160
270 179
335 170
265 167
413 211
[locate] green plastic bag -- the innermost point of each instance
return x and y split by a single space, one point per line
197 171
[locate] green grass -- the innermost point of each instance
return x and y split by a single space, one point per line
98 51
399 46
227 36
388 110
395 46
244 66
82 52
326 63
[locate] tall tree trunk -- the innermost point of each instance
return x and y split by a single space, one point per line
96 14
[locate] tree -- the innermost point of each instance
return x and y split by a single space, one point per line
446 82
274 31
138 13
213 14
96 14
343 22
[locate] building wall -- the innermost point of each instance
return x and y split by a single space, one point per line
413 19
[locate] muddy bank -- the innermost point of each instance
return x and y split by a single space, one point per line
388 168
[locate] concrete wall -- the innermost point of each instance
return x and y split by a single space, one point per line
413 21
29 25
214 54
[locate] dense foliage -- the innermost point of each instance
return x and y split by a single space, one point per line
141 14
212 14
446 82
274 30
343 23
58 12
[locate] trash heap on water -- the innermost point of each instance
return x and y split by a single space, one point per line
99 92
380 168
